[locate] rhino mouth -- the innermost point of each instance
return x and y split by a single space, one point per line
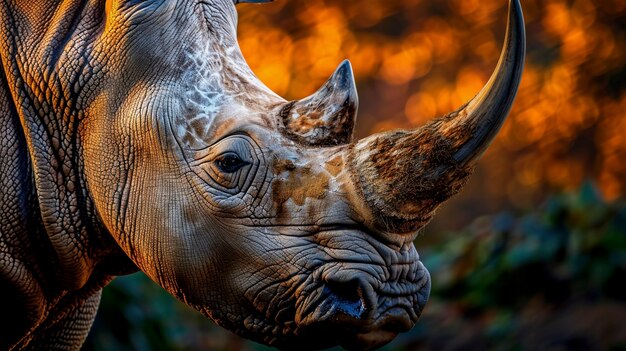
362 318
349 335
354 300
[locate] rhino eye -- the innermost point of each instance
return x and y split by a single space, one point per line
230 162
229 166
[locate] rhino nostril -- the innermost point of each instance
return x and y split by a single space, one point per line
347 297
348 291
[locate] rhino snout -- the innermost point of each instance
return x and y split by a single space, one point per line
358 307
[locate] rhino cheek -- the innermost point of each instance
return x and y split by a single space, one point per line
181 250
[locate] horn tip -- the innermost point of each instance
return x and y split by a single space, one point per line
345 68
516 16
345 76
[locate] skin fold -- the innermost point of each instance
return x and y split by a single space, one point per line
136 137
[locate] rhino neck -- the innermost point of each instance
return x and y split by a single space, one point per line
48 100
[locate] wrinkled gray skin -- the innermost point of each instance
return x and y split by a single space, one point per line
135 137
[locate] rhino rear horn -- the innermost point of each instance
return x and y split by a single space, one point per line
327 117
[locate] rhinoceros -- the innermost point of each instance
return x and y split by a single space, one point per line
136 137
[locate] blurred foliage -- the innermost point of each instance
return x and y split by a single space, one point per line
550 279
574 247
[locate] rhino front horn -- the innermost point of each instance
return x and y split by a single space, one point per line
483 116
405 175
327 117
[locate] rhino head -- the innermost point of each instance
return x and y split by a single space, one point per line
259 212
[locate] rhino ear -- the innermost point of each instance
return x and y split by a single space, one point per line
327 117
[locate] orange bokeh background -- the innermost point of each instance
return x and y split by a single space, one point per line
417 59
